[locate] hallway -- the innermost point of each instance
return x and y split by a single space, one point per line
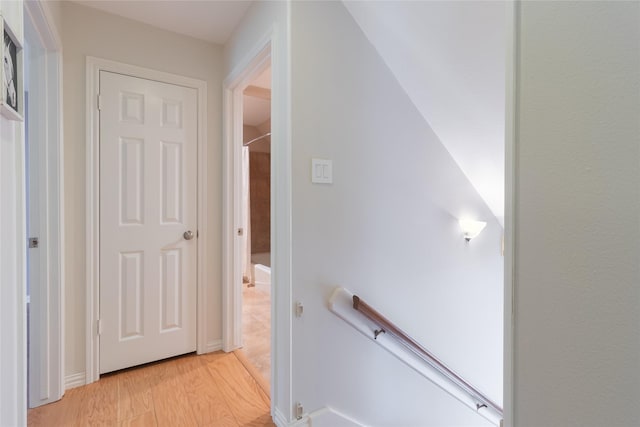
209 390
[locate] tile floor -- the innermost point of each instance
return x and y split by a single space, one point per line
256 329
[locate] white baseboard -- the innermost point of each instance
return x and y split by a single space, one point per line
279 419
326 417
213 346
75 380
80 379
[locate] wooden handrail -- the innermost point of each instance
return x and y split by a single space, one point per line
387 327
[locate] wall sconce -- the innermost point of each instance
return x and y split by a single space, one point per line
471 229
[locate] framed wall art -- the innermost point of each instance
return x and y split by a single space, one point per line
11 89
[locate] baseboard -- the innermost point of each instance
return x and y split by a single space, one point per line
213 346
279 419
80 379
326 417
75 380
329 417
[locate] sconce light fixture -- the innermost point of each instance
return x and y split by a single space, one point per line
471 229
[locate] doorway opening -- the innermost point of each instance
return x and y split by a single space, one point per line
255 239
269 52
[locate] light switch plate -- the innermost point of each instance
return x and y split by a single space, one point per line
321 171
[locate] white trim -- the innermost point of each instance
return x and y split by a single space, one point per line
511 127
46 353
232 258
276 45
42 20
326 417
93 68
278 418
74 380
212 346
21 276
203 229
281 210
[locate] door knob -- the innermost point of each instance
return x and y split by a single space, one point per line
188 235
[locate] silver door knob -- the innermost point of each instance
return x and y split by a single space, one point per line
188 235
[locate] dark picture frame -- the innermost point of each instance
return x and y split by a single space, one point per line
11 79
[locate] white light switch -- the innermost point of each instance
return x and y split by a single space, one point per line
321 171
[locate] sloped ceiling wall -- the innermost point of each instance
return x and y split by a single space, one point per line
450 59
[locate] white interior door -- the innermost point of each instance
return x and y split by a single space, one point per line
148 179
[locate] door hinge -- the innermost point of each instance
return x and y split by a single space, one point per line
99 326
34 242
299 309
99 102
299 410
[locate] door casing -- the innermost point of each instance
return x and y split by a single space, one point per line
512 25
232 264
273 46
93 68
46 326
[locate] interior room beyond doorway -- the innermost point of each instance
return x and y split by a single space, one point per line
256 216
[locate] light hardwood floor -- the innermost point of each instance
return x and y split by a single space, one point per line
209 390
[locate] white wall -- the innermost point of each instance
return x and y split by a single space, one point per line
90 32
13 370
387 229
577 275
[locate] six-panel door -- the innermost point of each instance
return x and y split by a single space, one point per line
148 183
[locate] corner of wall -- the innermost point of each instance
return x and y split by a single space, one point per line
75 380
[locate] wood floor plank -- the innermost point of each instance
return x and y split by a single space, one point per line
61 413
170 402
253 370
99 404
147 419
209 390
207 403
134 393
262 421
242 393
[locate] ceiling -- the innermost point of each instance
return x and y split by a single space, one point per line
212 21
449 57
257 109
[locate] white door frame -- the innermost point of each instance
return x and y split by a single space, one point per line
232 262
512 25
93 68
273 46
46 325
